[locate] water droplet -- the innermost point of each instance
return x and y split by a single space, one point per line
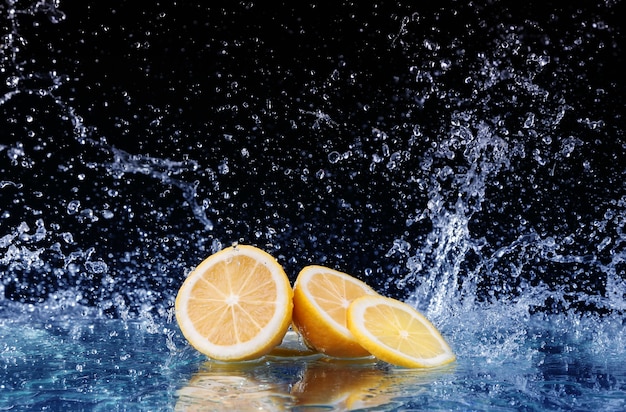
73 207
605 242
223 167
530 121
334 157
12 82
543 60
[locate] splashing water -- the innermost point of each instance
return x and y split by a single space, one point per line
467 160
508 227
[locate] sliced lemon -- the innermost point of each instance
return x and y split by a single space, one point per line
236 305
321 299
397 333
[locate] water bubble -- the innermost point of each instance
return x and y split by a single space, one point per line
543 60
537 156
12 82
96 267
73 207
431 45
530 121
88 214
223 167
334 157
568 145
67 237
386 150
605 242
394 160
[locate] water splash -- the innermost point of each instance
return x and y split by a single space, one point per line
500 253
479 145
466 159
162 170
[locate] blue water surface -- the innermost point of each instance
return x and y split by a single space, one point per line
81 363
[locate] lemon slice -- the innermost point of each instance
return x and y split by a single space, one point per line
321 299
396 333
236 305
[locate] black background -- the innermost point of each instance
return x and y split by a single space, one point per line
122 106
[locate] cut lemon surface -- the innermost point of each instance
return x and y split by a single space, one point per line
321 299
236 304
396 333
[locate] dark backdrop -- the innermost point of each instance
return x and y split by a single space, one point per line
136 139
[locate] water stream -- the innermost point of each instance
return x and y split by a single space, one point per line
468 159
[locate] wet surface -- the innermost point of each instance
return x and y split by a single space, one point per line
115 365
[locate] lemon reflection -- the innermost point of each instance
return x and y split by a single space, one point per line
346 385
294 378
340 385
235 387
253 385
